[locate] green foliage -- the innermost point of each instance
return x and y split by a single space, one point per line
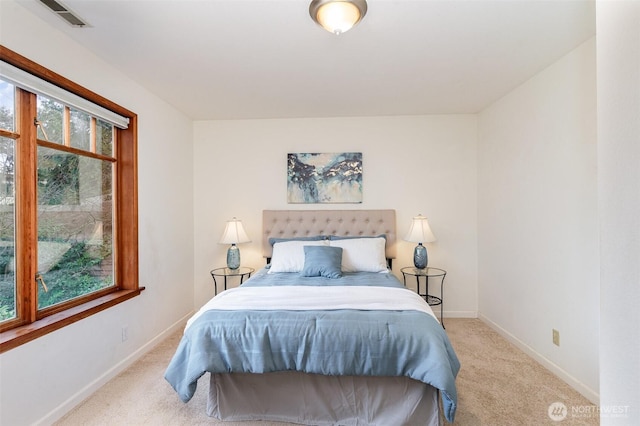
60 218
58 178
6 313
7 291
50 114
6 259
6 118
77 258
63 286
76 274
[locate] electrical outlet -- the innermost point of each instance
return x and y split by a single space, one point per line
125 333
556 337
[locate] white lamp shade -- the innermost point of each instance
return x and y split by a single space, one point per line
234 233
420 231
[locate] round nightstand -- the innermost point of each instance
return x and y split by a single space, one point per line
427 273
241 272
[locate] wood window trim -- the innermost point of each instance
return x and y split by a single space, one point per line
20 335
126 278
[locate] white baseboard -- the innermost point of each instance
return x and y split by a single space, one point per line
100 381
92 387
580 387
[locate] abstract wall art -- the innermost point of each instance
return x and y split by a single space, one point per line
324 177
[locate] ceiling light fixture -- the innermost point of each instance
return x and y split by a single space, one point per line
337 16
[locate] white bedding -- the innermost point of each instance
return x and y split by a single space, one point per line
311 399
304 298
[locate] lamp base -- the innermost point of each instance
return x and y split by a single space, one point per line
420 256
233 257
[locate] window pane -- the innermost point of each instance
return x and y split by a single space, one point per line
7 231
7 106
58 178
75 225
104 138
80 130
50 116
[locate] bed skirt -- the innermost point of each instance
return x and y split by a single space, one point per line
312 399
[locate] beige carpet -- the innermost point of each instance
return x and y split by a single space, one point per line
497 385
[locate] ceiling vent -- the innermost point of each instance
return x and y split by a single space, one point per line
63 12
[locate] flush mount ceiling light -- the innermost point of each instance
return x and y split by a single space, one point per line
337 16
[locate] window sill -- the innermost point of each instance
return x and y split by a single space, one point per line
20 335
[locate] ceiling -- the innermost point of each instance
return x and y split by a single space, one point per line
242 59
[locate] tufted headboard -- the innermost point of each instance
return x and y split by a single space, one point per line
301 223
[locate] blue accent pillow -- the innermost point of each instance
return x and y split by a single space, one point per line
322 261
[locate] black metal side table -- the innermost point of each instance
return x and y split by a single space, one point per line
427 273
241 272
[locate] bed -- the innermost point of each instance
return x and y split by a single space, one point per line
324 334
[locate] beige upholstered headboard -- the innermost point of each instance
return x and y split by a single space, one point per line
304 223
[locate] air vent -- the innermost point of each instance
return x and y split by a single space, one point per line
64 12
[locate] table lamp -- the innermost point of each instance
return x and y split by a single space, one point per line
234 233
420 232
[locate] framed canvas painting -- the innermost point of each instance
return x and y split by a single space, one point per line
324 177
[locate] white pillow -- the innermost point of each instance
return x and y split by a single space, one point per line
362 254
288 256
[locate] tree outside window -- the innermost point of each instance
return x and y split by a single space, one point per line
68 207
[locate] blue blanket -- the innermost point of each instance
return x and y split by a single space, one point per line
328 342
263 279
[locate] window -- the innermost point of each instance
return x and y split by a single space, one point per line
68 202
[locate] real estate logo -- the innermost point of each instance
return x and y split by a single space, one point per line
557 411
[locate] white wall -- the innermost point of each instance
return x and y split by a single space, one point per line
510 194
411 164
41 380
537 218
618 39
